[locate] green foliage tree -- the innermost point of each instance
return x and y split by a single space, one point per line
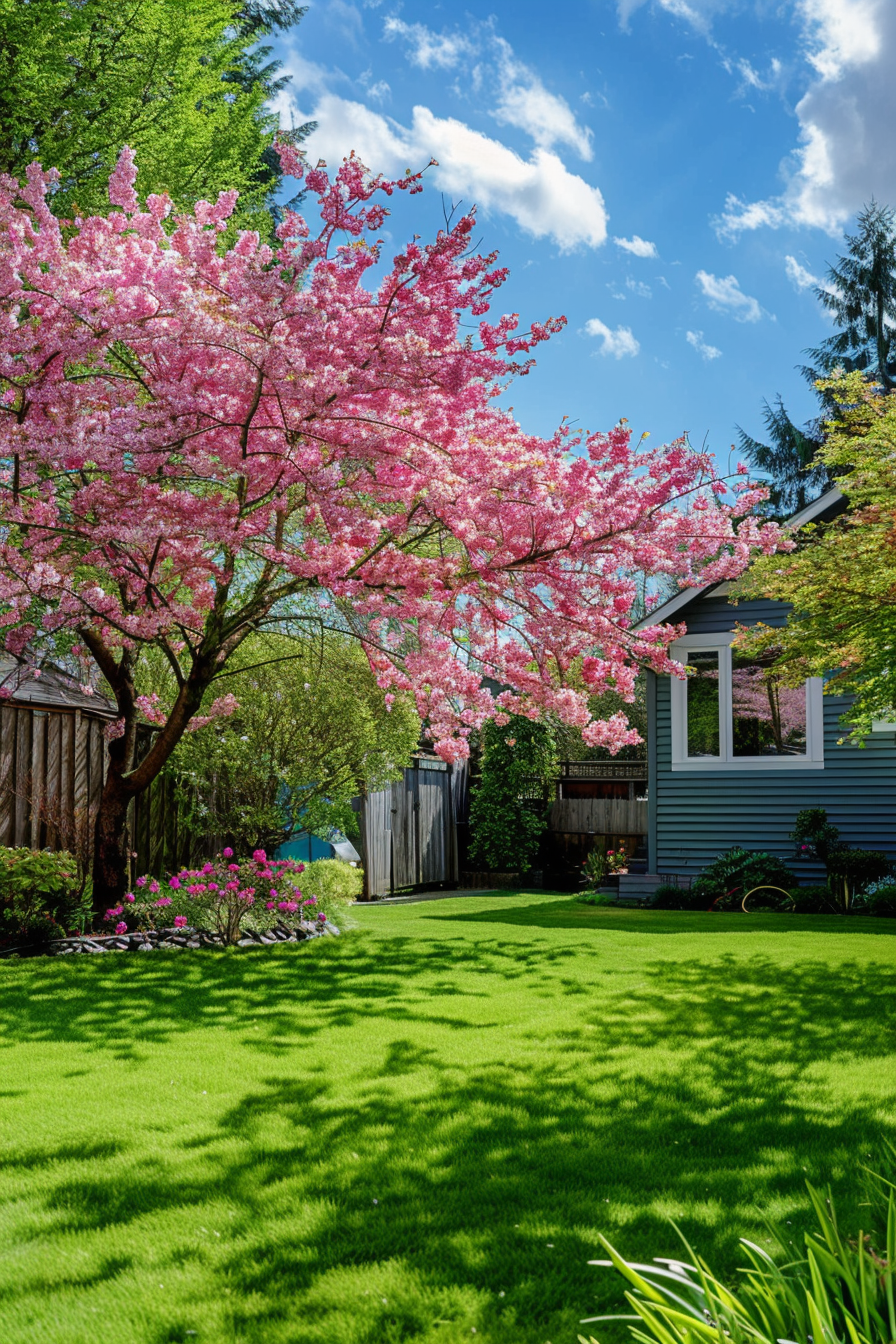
187 86
860 295
312 729
504 831
841 579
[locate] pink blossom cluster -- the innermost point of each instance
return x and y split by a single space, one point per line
221 891
296 421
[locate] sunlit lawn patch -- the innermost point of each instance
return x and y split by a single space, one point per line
417 1131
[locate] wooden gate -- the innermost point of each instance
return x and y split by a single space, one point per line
408 830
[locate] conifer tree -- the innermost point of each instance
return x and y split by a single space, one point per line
860 295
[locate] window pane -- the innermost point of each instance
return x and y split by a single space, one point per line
703 704
769 719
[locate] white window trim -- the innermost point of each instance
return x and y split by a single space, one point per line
726 761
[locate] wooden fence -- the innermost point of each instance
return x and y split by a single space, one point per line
409 830
599 816
52 766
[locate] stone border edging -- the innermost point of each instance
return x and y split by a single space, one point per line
152 940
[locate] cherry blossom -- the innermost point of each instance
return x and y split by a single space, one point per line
197 441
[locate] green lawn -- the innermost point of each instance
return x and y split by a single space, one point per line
416 1132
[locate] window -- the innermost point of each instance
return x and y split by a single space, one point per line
703 703
732 713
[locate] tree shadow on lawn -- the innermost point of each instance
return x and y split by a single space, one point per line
292 993
694 1092
570 913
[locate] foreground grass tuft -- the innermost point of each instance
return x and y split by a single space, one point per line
419 1131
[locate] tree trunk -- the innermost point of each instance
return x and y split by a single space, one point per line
110 859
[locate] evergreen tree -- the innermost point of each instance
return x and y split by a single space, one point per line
861 297
187 86
860 294
796 477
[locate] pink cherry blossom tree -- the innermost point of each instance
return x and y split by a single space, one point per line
201 444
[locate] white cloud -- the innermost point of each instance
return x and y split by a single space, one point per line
539 193
709 352
639 247
798 276
619 342
725 295
847 150
638 287
524 102
426 48
521 99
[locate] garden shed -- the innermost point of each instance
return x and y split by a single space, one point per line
732 757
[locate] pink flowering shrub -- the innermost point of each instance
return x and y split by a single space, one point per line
223 895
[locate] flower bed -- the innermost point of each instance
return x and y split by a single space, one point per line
234 899
173 939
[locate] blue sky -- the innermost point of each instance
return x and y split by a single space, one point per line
672 176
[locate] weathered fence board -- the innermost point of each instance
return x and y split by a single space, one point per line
433 822
599 816
408 831
51 776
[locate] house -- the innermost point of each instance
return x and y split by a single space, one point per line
732 757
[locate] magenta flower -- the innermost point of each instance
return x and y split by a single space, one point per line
227 853
311 900
322 917
180 921
232 886
300 867
207 868
121 928
153 886
129 896
141 881
213 886
233 867
164 900
259 856
270 905
247 897
274 892
289 906
114 912
174 883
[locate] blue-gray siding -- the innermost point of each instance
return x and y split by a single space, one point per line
699 815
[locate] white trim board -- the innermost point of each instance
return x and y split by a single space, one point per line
726 762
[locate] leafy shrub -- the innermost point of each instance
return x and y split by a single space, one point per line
814 899
858 868
814 835
43 895
504 834
850 871
669 896
225 895
731 876
332 881
881 901
594 897
841 1288
594 870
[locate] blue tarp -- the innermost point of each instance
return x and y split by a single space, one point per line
305 848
